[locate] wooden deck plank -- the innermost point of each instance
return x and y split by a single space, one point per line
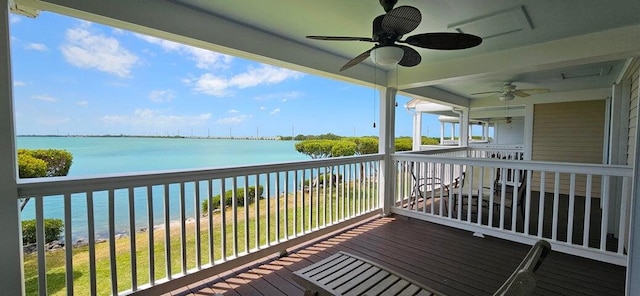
446 259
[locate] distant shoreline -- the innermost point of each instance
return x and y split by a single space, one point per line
278 138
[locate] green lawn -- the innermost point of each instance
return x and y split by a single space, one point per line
55 260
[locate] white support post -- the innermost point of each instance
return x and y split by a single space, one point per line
417 130
386 146
633 264
453 131
12 280
464 128
441 132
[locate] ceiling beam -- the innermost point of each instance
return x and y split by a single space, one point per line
175 22
439 95
590 48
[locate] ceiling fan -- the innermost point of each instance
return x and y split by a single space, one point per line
389 28
509 91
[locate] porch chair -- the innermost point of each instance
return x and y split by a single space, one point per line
426 187
519 186
469 185
347 274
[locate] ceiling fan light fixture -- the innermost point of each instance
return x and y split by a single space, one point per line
386 55
506 97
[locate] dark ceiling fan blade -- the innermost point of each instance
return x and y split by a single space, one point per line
401 20
357 60
340 38
443 40
410 58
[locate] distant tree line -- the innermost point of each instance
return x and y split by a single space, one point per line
330 145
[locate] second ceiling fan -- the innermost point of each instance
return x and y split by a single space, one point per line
389 28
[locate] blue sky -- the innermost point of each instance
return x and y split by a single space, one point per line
75 77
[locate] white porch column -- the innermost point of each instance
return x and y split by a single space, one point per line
441 132
11 281
464 128
386 146
453 131
633 266
417 130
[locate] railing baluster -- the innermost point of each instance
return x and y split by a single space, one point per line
541 204
324 196
246 214
268 210
605 212
622 233
92 245
150 233
196 215
571 209
331 179
556 201
132 240
167 232
527 205
183 230
515 174
40 242
311 199
257 207
295 203
223 220
68 242
503 193
470 193
317 201
234 216
277 189
112 244
492 191
587 212
343 191
286 204
210 221
303 208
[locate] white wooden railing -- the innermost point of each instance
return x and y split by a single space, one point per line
290 204
580 208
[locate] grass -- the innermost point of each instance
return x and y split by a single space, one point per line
55 260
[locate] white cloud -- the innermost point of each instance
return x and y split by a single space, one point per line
205 59
14 19
233 119
45 98
262 108
263 75
159 96
156 119
281 96
221 86
19 83
82 103
36 46
275 111
91 51
211 85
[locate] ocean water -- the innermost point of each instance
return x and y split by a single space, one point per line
113 155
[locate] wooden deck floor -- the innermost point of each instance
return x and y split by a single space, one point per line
446 259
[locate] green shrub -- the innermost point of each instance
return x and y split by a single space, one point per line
228 200
52 230
56 162
31 167
325 176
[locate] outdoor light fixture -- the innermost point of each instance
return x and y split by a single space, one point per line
387 55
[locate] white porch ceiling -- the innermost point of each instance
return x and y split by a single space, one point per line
565 46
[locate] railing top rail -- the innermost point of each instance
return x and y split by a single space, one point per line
56 185
561 167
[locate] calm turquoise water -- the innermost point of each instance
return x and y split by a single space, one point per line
99 156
